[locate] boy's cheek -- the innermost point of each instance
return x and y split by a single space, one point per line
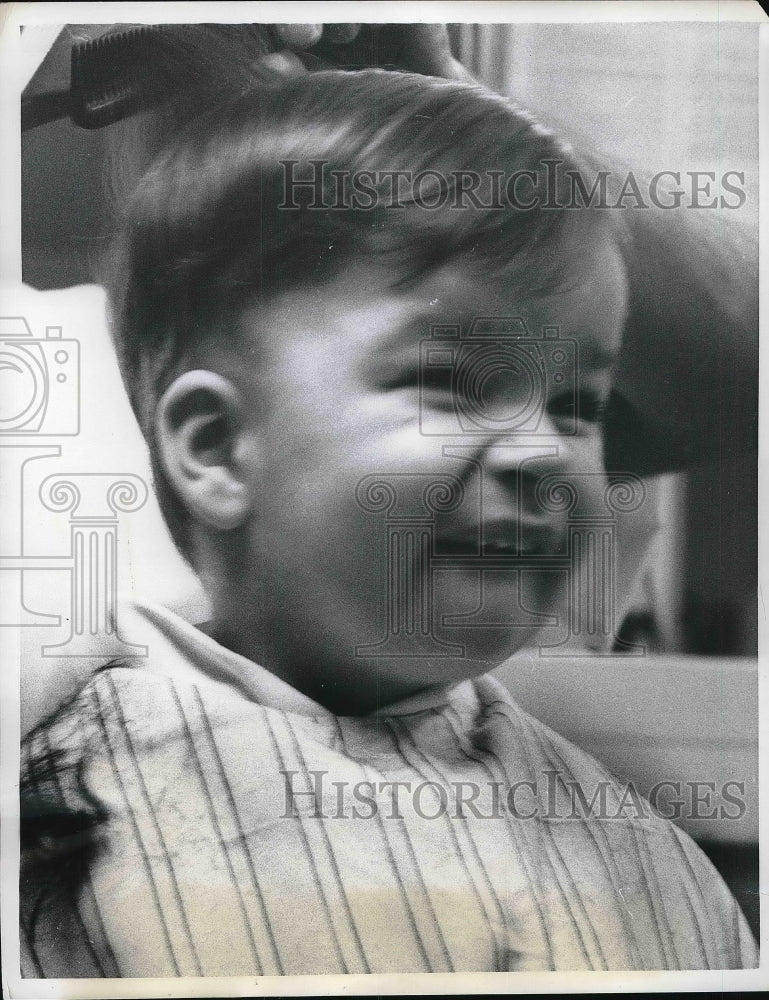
589 485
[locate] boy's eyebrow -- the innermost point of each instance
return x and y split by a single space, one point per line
403 340
590 349
407 280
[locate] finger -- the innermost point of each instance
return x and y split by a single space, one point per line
299 36
285 63
453 69
340 34
427 49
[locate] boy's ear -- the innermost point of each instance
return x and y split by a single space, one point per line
208 448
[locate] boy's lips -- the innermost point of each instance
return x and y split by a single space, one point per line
502 537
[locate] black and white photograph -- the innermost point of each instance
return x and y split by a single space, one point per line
380 584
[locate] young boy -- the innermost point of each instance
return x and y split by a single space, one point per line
322 779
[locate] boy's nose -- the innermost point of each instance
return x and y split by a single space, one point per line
518 463
526 454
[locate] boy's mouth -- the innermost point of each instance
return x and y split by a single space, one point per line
502 538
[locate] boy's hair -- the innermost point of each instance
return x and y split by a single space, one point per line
217 222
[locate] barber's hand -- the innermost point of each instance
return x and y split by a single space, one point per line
304 36
418 48
426 49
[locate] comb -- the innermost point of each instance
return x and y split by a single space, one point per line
111 77
120 73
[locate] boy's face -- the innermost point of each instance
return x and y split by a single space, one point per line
402 484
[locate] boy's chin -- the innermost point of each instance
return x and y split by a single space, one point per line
491 650
471 630
471 652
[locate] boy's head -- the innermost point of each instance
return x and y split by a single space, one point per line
282 272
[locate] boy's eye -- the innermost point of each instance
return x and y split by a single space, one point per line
561 406
589 406
433 382
592 407
437 380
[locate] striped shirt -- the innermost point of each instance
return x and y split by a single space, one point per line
192 815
